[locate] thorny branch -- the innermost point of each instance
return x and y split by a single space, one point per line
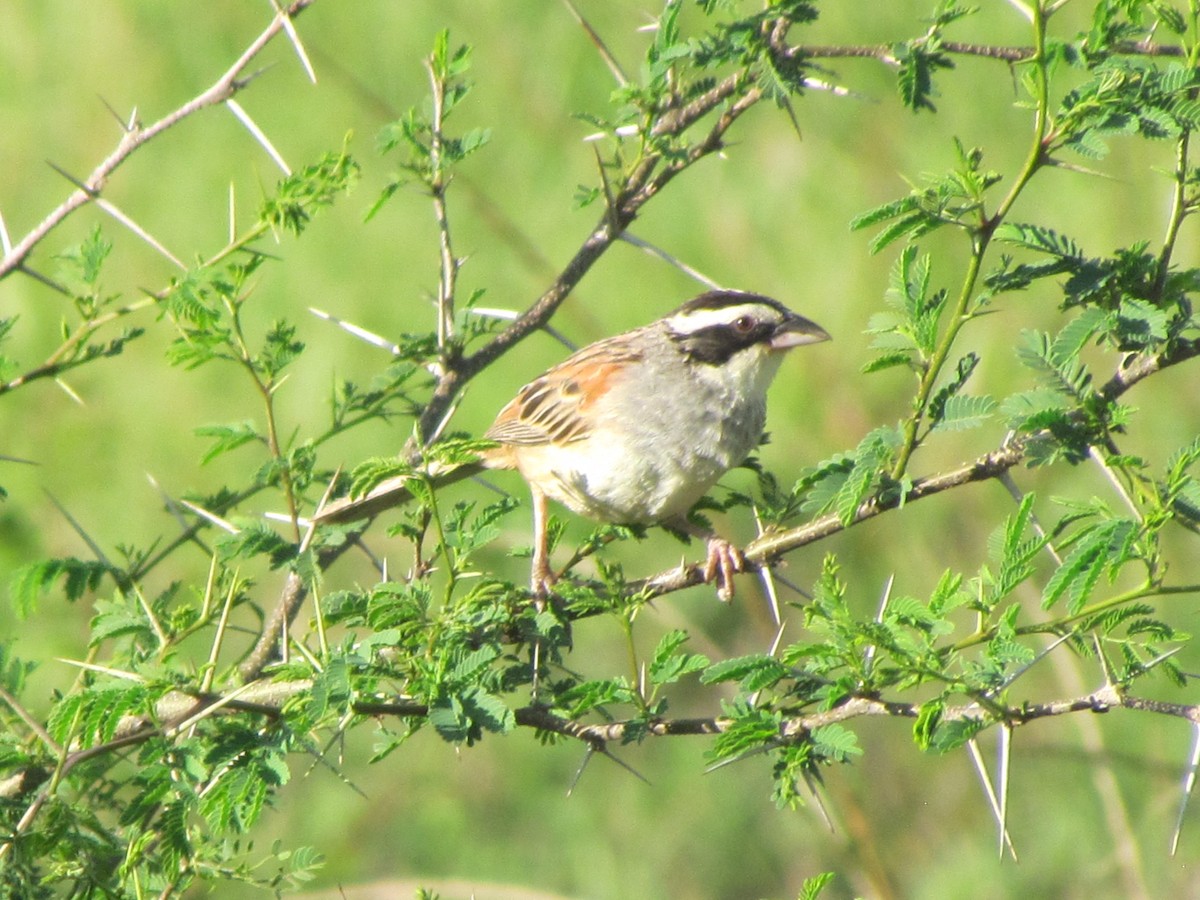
268 699
641 185
887 52
739 92
136 136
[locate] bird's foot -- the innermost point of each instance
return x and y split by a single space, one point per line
723 562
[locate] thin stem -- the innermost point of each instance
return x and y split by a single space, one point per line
1130 596
444 547
31 723
1179 211
981 237
69 354
438 184
626 619
1179 200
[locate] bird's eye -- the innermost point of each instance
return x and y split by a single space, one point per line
743 324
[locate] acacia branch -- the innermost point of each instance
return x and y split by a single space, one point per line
887 52
269 698
276 625
136 136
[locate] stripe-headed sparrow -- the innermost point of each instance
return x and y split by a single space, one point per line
633 429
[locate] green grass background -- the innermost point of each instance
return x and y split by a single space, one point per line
772 215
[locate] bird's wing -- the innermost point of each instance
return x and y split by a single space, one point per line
552 409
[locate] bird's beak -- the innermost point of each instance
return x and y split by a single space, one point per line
796 330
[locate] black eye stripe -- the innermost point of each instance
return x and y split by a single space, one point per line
715 344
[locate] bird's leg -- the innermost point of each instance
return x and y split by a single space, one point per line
541 579
540 576
722 561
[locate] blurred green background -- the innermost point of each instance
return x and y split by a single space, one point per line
772 215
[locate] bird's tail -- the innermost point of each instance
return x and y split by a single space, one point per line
394 491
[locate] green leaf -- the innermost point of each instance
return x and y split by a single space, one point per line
1106 545
918 60
254 539
117 622
464 716
948 595
1141 324
1015 529
1038 237
741 667
226 438
887 361
280 348
490 711
239 796
91 716
812 887
836 742
29 582
962 374
1067 376
963 412
331 691
175 842
882 213
912 226
750 729
473 664
588 695
668 665
1077 333
1172 18
449 719
13 671
870 458
80 265
951 734
302 194
928 719
371 472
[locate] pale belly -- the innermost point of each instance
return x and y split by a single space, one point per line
614 484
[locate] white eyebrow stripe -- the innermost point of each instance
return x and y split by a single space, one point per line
697 320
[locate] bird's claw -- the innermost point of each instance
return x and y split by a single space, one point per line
723 562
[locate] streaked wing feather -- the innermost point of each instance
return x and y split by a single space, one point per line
552 409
